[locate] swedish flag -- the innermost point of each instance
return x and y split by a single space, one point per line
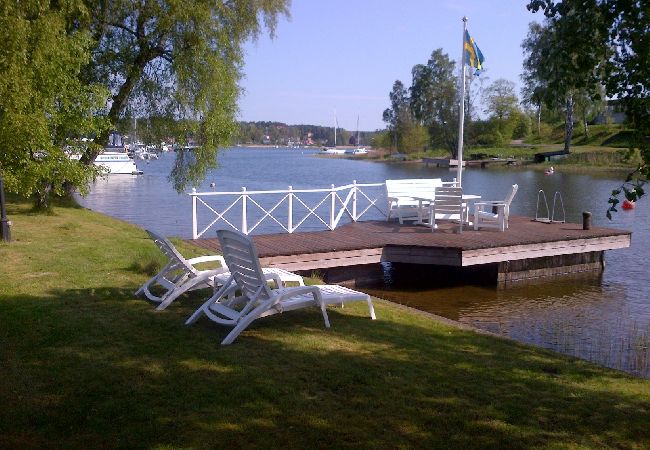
473 56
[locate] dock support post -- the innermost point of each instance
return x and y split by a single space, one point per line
546 266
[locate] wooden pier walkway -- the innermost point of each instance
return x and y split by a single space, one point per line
446 162
362 243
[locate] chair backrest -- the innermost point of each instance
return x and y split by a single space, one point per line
170 252
422 187
511 194
243 263
449 200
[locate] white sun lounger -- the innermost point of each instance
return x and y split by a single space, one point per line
180 275
255 299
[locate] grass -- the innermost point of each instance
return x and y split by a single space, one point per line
85 364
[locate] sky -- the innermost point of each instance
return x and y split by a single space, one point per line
338 59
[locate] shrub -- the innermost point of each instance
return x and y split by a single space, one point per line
522 126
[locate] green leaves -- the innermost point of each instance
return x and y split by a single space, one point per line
42 99
181 60
632 190
607 43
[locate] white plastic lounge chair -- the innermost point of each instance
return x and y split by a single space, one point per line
448 205
180 275
255 298
494 214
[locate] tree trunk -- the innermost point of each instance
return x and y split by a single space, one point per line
41 198
585 126
120 99
539 120
568 124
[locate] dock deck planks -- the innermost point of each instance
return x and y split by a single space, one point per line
376 241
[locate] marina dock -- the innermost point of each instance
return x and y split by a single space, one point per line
528 249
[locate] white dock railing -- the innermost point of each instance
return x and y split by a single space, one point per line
288 209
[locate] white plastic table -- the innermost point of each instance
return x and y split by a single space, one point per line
422 201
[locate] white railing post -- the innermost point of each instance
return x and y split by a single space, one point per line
244 219
195 229
290 212
332 206
354 201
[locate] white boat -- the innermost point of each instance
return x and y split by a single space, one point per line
117 163
357 151
138 150
333 150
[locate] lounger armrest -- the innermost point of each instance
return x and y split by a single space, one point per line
207 258
285 293
275 278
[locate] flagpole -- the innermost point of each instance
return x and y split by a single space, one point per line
461 114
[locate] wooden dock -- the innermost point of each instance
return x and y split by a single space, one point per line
527 249
446 162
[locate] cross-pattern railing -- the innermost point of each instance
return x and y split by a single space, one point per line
287 210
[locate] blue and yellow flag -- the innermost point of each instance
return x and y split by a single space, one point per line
473 56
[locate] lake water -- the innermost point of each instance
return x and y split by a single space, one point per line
604 318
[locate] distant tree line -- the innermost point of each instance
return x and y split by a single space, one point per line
278 133
156 129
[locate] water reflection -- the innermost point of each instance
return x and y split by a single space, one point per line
577 314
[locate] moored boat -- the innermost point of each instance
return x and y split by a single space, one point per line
357 151
117 163
332 151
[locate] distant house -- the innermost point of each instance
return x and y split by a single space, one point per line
613 113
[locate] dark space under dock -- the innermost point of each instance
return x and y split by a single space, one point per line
527 249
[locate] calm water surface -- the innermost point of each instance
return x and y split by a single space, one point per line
603 318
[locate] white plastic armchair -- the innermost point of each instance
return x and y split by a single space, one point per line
181 275
494 214
246 296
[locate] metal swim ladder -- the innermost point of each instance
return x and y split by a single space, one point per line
541 195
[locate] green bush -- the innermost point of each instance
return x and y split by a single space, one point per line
522 126
493 139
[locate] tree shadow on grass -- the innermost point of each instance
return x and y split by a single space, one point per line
99 368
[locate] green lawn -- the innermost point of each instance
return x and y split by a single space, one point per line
85 364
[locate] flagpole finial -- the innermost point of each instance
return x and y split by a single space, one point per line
465 19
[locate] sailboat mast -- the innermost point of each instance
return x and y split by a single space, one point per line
336 124
357 131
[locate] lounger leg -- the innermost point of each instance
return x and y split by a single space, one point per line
198 313
318 298
371 307
244 323
167 300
